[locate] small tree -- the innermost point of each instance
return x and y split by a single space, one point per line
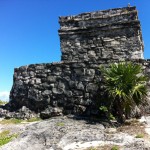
126 87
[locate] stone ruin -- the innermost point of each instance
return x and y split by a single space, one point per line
88 40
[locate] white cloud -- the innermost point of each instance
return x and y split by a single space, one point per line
4 95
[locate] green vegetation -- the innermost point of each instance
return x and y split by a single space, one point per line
6 137
125 87
105 147
139 136
33 119
105 110
18 121
11 121
60 124
3 102
115 148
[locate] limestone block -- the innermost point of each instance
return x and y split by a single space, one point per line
57 91
115 43
68 93
91 53
90 72
26 81
72 84
25 74
47 92
91 87
32 73
87 95
40 67
51 79
52 85
61 85
38 81
80 86
18 83
79 71
50 112
32 81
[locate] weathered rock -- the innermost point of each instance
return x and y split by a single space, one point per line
136 112
22 113
50 112
111 130
62 133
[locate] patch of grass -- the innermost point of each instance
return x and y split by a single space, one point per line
33 119
115 148
60 124
18 121
11 121
6 137
105 147
3 102
139 136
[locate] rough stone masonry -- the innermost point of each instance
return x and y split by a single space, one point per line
88 40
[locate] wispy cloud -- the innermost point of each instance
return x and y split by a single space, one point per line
4 95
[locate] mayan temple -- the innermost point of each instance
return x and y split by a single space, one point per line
87 41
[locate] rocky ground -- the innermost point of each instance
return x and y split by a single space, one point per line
63 133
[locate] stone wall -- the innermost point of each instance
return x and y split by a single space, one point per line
70 86
114 34
87 41
59 85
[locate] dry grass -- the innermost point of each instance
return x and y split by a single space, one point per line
105 147
134 128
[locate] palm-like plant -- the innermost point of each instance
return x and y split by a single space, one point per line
125 85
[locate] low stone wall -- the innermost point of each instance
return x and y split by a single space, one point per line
70 86
63 84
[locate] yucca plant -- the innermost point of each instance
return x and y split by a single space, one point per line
125 85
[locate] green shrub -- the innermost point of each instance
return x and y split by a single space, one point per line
125 86
103 108
108 114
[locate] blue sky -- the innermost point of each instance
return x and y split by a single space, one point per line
29 31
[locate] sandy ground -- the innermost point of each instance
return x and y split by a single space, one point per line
146 119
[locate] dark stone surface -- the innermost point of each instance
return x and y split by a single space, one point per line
114 34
